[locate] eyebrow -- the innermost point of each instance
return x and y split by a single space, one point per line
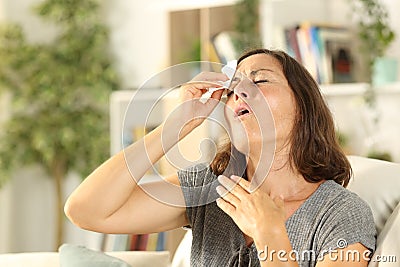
255 72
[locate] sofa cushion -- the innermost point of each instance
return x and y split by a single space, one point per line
79 256
143 258
72 255
388 246
378 183
52 259
29 259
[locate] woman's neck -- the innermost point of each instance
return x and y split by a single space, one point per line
279 179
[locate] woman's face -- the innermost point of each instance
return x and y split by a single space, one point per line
260 108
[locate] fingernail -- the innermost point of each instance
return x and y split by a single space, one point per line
235 178
220 190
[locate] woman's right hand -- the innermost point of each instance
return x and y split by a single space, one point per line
192 111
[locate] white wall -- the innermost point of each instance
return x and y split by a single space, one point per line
27 209
20 11
5 222
139 39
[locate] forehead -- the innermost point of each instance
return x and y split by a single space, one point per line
259 61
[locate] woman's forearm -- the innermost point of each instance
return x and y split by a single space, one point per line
274 248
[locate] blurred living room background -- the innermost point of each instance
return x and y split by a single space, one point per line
120 45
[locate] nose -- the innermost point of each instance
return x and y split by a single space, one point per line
237 94
244 90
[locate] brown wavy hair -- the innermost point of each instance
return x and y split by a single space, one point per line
314 151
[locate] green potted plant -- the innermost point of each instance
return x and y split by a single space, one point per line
376 35
247 25
59 92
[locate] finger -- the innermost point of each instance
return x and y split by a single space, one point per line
226 182
227 196
214 98
204 81
197 88
226 207
233 187
242 182
217 94
210 76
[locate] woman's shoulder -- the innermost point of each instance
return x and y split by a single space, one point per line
344 215
341 198
196 175
198 184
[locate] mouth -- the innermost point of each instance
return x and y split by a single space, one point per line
242 110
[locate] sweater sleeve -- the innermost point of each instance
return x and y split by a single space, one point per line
352 222
198 185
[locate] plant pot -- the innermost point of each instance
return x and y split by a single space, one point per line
384 71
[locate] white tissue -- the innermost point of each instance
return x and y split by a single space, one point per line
229 70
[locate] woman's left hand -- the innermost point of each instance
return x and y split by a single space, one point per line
254 212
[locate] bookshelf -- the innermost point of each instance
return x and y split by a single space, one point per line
275 15
193 24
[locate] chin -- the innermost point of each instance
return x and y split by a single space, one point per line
241 144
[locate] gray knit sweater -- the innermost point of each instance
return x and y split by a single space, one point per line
329 219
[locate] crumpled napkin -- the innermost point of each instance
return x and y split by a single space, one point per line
229 70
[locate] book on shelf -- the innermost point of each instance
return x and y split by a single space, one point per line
138 242
292 45
147 242
115 242
324 50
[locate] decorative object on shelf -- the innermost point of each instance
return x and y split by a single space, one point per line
375 34
60 91
384 71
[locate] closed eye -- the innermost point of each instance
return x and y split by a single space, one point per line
261 81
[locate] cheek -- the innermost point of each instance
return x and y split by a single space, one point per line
284 113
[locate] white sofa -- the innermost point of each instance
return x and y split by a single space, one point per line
377 182
52 259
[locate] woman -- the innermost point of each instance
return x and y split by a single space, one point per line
298 214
